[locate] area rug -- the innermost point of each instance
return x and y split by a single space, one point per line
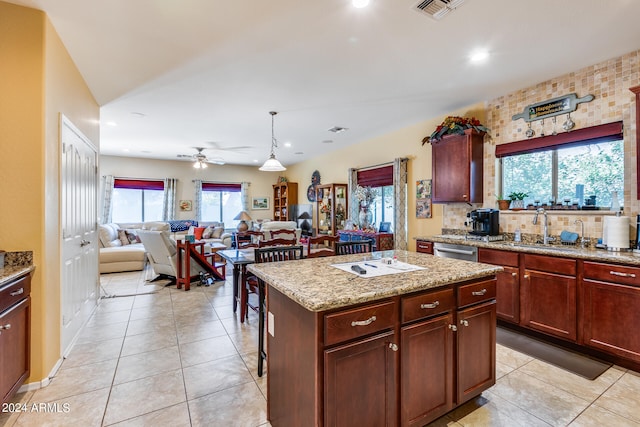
579 364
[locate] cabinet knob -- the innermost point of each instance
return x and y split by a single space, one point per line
464 322
526 276
393 346
514 274
453 328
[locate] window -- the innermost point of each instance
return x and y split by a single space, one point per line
384 205
569 172
137 200
221 202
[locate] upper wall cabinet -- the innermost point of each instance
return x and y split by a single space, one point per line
457 168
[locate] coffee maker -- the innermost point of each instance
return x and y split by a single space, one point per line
484 222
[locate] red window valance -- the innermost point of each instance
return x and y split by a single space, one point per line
214 186
590 135
376 177
138 184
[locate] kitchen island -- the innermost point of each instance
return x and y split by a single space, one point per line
396 349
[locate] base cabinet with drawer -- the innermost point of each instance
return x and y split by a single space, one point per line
610 296
507 282
548 295
404 361
14 335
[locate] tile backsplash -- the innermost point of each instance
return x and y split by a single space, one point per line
609 82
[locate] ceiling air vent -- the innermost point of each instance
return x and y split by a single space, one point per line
437 9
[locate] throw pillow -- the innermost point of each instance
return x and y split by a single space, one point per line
206 234
217 232
132 236
198 232
122 236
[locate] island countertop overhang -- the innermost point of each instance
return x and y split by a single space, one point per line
317 286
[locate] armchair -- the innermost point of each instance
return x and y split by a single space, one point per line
162 254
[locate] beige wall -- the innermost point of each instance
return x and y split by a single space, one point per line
37 83
260 182
609 82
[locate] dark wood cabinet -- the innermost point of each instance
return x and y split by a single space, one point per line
428 370
380 241
548 296
457 163
353 395
610 296
508 282
14 335
424 246
332 208
476 350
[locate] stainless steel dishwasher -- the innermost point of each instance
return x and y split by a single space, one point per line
449 250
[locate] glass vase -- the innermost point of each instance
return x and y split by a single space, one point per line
365 218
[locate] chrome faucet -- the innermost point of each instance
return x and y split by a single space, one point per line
545 239
583 241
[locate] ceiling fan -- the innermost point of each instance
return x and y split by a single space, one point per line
200 160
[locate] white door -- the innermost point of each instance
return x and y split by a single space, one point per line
79 187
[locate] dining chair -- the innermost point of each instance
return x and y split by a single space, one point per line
284 233
353 247
248 239
269 254
275 242
320 246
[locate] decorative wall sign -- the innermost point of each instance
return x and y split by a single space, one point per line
423 198
553 107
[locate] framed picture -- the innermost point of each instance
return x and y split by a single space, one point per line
259 203
185 205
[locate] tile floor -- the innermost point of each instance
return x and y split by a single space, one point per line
176 358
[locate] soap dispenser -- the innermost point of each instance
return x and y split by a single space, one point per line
518 235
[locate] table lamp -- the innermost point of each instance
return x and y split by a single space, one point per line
243 216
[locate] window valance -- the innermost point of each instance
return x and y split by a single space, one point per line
138 184
376 177
590 135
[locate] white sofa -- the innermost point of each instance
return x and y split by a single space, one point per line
121 251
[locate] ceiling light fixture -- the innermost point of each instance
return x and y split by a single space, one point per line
272 164
360 3
479 56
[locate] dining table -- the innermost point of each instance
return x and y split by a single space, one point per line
239 259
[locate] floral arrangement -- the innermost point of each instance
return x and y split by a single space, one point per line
365 195
454 125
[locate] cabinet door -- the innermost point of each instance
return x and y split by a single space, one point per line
14 348
508 295
360 383
549 303
427 371
451 172
476 344
609 317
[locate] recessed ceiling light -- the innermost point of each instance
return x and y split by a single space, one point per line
479 56
287 144
114 124
360 3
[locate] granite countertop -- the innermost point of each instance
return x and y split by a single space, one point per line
16 264
623 257
317 286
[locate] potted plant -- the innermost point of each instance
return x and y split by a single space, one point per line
517 200
503 204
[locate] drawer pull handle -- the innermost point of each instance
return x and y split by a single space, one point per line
7 326
453 328
464 322
364 322
479 293
430 305
18 292
393 346
617 273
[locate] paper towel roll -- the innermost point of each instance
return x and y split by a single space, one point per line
615 232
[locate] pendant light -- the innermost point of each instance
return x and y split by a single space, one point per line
272 164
